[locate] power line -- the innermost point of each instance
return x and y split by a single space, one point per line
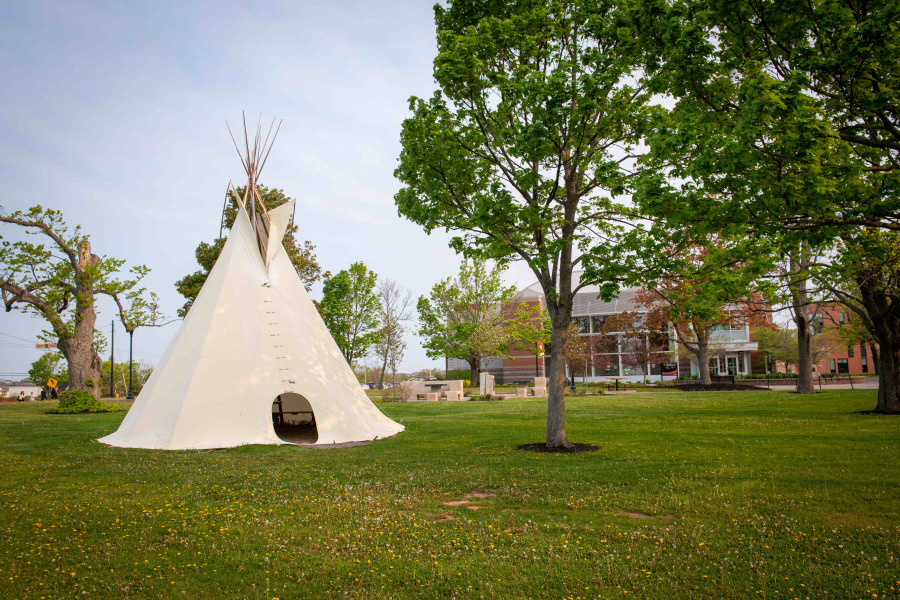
18 338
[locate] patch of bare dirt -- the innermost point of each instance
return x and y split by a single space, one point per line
640 515
456 502
480 495
473 507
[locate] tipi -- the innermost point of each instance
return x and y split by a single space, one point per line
253 350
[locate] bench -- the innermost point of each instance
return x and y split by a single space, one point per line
436 390
614 385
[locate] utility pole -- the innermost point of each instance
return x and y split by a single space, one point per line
112 360
130 395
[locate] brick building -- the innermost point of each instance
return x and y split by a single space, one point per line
839 357
733 349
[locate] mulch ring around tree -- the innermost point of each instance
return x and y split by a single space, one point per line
717 387
542 447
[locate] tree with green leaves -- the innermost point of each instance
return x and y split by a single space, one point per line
851 333
137 309
301 254
867 281
59 282
532 135
786 125
786 116
475 316
701 294
777 346
48 365
350 308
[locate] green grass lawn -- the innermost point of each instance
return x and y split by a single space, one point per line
723 495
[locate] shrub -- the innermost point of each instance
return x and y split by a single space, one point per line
80 402
665 384
486 398
407 393
464 374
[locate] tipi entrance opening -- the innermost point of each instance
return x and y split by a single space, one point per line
294 420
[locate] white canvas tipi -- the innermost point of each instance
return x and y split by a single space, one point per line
251 338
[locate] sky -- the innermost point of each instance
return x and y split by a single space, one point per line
115 112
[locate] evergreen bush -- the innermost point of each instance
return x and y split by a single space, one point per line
80 402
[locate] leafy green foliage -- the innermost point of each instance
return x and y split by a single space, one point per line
786 124
350 308
786 116
80 402
464 374
301 254
47 366
59 282
533 134
140 372
476 316
867 281
702 290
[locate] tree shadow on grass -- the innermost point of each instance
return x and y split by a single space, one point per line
542 447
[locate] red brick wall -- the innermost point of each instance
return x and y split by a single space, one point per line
837 349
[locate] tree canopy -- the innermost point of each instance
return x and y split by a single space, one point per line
302 254
521 152
350 308
58 279
475 316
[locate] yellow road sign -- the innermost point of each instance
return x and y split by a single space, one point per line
45 345
52 382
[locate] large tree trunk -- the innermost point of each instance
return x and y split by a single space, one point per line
885 328
889 379
805 384
475 368
702 354
383 368
560 318
797 285
699 347
77 344
85 365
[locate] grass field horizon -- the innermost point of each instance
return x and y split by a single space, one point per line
712 495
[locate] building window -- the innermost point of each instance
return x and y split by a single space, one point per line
865 365
597 323
831 368
606 365
583 323
714 366
816 323
849 351
862 350
843 367
841 318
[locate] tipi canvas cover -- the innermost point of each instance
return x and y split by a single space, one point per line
251 336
